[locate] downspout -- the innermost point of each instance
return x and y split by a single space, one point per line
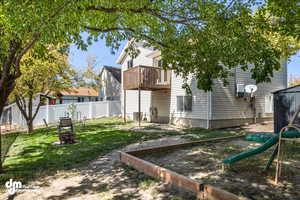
209 113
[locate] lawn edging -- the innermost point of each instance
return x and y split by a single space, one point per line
200 189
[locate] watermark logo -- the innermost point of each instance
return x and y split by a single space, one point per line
14 186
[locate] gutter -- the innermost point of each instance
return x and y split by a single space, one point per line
209 113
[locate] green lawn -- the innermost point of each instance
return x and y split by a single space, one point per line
34 155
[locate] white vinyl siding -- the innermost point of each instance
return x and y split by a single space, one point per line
225 104
269 103
199 99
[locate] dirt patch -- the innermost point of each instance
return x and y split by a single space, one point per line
259 127
244 178
147 127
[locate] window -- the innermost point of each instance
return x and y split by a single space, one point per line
269 104
180 103
80 99
184 103
187 102
159 64
165 75
130 63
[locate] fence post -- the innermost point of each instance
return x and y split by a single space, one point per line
108 109
90 110
47 113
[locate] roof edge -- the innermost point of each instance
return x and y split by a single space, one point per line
286 89
154 54
123 54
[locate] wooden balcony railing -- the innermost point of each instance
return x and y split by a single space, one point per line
146 78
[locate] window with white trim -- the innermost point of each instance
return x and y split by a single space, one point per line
184 103
269 103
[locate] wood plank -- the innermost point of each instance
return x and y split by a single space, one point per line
164 174
214 193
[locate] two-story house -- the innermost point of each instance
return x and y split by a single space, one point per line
159 96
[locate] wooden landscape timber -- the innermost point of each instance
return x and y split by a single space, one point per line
202 190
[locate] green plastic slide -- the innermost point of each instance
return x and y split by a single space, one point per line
270 142
260 137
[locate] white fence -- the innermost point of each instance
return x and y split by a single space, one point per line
78 111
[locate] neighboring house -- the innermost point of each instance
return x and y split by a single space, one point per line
110 78
75 95
163 99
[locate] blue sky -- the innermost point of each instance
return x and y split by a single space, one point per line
104 57
294 65
103 54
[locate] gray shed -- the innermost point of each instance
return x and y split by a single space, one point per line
286 102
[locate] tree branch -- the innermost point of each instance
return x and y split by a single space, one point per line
20 106
126 29
154 12
108 29
230 4
28 46
10 60
37 110
60 9
36 37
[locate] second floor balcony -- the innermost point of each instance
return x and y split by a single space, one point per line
146 78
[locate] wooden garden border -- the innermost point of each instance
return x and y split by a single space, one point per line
201 189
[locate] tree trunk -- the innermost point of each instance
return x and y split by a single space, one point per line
10 71
3 99
6 87
30 119
26 109
5 90
29 126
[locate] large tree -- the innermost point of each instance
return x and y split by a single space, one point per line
28 24
88 76
41 76
205 38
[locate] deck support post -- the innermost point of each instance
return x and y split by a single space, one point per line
124 106
139 96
